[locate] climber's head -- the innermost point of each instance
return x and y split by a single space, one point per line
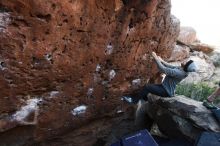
189 66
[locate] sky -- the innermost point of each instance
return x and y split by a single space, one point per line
202 15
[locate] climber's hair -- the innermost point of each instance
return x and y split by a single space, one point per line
187 65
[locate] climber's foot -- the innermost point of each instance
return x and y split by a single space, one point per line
209 105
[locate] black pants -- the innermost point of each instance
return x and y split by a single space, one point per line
156 89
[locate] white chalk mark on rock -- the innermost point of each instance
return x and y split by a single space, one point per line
109 49
89 92
98 68
119 111
112 74
79 110
130 30
4 21
136 82
144 57
25 111
48 57
53 93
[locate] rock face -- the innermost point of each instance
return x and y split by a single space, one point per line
180 116
64 64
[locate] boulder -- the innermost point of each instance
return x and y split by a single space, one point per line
215 57
179 53
180 116
205 68
205 48
187 35
65 64
215 79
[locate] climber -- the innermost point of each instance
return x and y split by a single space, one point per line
174 74
209 101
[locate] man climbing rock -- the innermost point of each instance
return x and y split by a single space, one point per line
174 74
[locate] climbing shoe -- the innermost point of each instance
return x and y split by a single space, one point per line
209 105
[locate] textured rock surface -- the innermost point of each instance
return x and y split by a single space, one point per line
78 57
215 57
180 116
179 53
205 48
187 35
205 68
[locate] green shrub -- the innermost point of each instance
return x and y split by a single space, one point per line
199 91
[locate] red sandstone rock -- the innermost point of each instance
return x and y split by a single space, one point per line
87 52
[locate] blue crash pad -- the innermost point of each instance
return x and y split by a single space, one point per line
140 138
208 139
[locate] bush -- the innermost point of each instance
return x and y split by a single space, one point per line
199 91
